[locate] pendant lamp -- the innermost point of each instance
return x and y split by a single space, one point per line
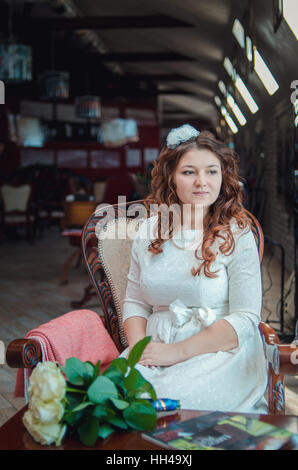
88 107
15 59
15 62
53 85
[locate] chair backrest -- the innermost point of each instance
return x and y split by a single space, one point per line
77 213
16 198
106 244
99 190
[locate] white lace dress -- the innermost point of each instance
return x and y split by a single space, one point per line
177 305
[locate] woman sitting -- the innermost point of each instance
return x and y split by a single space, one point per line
194 283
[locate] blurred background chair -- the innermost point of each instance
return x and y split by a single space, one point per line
50 187
99 191
76 213
16 208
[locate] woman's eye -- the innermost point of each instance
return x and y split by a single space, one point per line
190 172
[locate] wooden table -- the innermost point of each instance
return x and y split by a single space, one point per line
13 435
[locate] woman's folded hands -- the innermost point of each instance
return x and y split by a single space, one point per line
161 354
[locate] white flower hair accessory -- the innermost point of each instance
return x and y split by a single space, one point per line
181 134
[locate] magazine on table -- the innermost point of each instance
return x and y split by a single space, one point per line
220 431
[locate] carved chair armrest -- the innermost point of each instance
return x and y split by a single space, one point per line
23 353
288 353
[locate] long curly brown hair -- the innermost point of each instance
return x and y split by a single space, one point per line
227 206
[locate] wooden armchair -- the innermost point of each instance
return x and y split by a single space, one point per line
106 250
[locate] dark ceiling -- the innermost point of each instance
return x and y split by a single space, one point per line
170 48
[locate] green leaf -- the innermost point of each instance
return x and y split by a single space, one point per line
73 418
137 385
90 363
111 413
82 406
89 368
118 422
113 374
96 369
104 431
104 412
119 404
101 390
137 351
146 388
117 371
88 431
75 370
140 415
73 400
100 412
134 380
120 363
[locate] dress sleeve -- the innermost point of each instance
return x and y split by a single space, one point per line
134 304
245 287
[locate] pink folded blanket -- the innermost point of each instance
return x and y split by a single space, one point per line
80 333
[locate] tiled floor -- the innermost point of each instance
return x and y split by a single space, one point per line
30 294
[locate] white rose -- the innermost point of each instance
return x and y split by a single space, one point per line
46 412
47 382
45 434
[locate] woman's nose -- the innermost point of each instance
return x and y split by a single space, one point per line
200 179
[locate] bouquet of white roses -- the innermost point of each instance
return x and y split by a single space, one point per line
89 404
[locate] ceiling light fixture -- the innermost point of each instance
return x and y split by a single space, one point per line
290 14
264 74
241 87
239 33
236 110
229 120
229 68
222 87
231 102
252 53
239 84
217 100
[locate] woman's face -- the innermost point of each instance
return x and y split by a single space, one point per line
198 178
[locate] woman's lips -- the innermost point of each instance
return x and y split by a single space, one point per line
200 193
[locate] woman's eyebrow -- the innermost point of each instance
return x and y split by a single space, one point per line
191 166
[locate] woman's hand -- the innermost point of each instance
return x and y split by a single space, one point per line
161 354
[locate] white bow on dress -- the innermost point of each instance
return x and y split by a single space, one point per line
181 314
